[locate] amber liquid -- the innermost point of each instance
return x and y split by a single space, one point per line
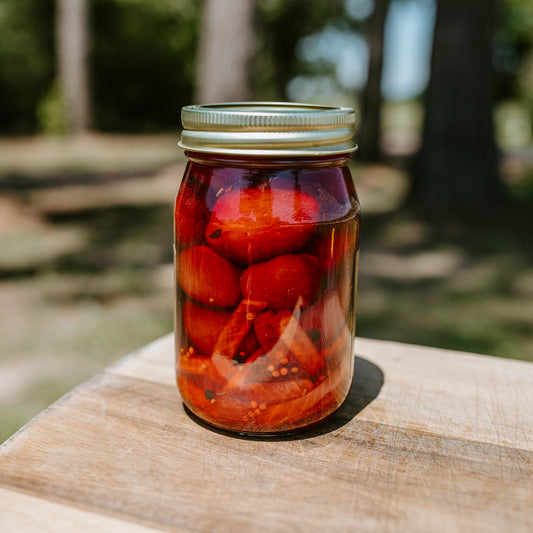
265 255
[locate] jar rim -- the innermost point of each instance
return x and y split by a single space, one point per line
268 128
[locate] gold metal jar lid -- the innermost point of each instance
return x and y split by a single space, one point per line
268 128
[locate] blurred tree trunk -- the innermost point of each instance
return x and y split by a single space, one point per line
369 133
457 167
226 43
71 43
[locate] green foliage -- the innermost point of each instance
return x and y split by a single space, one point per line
26 59
276 61
143 58
513 49
143 62
51 114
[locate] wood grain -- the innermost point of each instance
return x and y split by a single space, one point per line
428 440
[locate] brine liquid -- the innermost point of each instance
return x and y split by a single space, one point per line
265 294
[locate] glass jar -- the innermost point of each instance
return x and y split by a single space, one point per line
266 247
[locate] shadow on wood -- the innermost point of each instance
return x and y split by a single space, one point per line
367 381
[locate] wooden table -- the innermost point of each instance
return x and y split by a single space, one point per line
431 440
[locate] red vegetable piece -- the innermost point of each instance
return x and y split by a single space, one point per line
299 411
253 370
300 346
195 365
283 282
323 399
208 278
255 356
267 334
331 244
248 346
324 320
200 367
212 403
190 213
271 392
239 405
267 331
236 328
203 325
285 328
252 225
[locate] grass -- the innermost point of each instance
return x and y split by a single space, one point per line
86 274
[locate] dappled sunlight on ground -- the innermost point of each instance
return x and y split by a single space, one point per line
415 266
380 188
156 188
90 152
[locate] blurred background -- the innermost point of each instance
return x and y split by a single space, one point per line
90 92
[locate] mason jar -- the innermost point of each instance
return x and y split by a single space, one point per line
266 246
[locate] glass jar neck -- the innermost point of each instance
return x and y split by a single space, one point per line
322 161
